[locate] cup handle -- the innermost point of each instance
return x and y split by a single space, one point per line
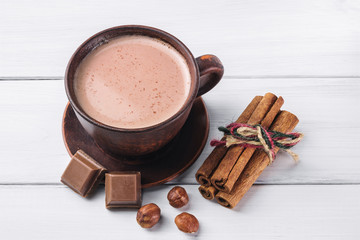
211 71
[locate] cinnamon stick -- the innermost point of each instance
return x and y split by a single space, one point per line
220 176
245 156
212 161
208 192
284 122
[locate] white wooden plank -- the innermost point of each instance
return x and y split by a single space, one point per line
32 150
253 38
266 212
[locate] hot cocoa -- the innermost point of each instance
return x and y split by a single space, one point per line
132 82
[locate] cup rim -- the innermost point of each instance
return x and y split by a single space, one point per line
192 93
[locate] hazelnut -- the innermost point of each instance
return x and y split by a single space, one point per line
187 222
178 197
148 215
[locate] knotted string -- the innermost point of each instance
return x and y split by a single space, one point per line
258 137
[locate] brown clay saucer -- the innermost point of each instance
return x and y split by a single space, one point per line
156 168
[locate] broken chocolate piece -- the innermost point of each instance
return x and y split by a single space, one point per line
83 174
123 190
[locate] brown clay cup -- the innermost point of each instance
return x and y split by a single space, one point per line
206 71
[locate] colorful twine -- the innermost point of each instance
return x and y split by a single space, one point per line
258 137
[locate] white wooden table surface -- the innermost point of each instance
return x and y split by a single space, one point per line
306 51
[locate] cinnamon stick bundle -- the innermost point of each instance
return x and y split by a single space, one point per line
204 173
284 122
231 166
208 192
245 156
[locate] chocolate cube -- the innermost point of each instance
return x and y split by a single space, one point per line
123 190
83 174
